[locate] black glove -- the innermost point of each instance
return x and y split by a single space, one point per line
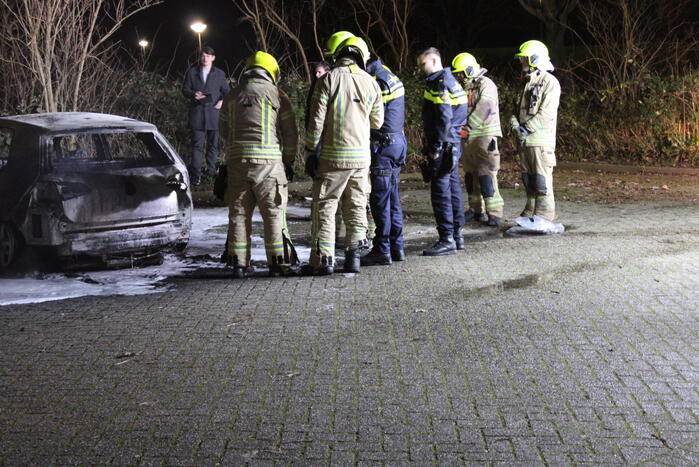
447 162
311 165
381 137
289 171
427 171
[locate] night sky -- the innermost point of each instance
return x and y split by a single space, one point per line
473 23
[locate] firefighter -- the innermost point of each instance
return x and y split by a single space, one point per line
536 129
328 52
444 110
479 141
262 144
345 105
389 149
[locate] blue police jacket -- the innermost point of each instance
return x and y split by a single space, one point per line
444 110
392 94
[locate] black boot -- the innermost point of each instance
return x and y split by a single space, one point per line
398 255
493 221
376 258
275 268
459 241
352 260
238 269
325 269
239 272
473 216
444 246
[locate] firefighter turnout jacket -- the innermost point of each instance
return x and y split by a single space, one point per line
484 115
345 104
257 109
538 109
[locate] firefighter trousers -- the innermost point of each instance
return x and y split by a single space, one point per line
330 188
537 176
481 160
250 185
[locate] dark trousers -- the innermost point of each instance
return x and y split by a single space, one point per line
198 139
447 202
384 199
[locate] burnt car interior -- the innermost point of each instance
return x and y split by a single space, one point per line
118 150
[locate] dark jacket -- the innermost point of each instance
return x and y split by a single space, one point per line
393 96
444 110
202 114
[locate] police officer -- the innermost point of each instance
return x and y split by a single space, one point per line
444 110
479 141
346 103
536 129
389 149
258 169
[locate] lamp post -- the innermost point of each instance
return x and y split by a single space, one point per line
198 27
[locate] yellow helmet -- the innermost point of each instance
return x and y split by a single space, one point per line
266 62
335 40
536 52
357 46
466 63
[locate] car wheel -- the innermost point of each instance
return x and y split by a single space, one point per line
10 244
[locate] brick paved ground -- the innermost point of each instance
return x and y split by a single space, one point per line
572 349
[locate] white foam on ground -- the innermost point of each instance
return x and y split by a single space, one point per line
207 238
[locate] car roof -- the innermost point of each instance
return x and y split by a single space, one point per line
67 121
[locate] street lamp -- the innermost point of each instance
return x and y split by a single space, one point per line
143 43
198 27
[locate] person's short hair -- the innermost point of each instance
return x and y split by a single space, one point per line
430 51
323 64
208 50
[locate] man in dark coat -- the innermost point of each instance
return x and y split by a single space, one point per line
204 86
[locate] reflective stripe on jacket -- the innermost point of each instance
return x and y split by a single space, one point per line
538 108
346 103
484 118
444 110
259 114
392 95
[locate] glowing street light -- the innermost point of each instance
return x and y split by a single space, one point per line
198 27
143 43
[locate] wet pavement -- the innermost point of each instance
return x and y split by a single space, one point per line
579 348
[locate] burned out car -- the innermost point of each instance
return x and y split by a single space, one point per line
85 188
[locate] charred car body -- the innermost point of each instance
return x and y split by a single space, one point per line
89 188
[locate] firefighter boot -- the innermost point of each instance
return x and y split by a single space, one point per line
276 269
493 221
325 269
443 246
238 269
376 258
352 260
472 216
